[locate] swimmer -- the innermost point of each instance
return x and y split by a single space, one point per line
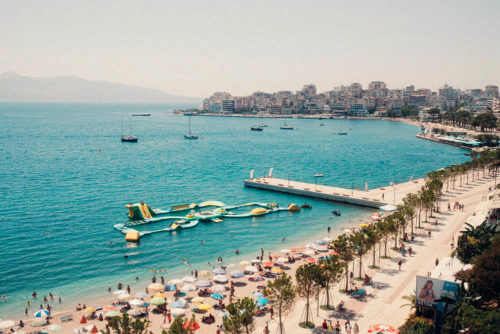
185 262
283 239
4 297
203 242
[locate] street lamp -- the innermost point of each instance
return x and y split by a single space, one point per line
317 176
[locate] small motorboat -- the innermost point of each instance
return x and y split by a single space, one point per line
286 127
336 212
256 128
342 133
130 139
141 114
321 124
306 206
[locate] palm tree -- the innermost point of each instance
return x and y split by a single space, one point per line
412 301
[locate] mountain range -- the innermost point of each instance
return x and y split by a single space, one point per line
18 88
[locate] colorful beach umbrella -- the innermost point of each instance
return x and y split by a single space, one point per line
262 301
310 260
112 314
380 328
41 314
258 294
83 320
197 300
124 297
178 304
256 279
320 242
91 308
109 307
191 326
221 314
244 263
157 301
277 271
176 312
268 264
332 252
363 225
94 330
37 322
204 307
217 296
54 328
204 273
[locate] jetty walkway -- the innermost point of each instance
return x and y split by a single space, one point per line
372 198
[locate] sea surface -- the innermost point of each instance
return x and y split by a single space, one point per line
65 177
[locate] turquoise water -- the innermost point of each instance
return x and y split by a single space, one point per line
65 178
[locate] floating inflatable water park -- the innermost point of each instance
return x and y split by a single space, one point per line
212 211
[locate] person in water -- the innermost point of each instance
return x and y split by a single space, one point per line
427 292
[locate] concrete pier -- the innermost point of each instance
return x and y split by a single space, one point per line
374 198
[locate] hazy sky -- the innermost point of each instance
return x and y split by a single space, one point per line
197 47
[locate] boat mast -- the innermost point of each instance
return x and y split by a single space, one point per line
130 128
190 125
122 125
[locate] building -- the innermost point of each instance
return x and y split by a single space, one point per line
228 106
358 110
491 91
418 100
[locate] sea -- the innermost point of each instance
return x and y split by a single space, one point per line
65 178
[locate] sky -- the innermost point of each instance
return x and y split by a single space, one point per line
195 48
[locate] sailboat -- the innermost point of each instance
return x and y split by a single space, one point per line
286 127
129 138
190 135
262 124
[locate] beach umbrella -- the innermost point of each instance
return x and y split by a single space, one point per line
83 320
309 252
179 304
174 281
204 307
219 271
7 324
157 301
119 292
109 307
136 302
363 225
204 273
321 249
217 296
91 308
188 287
219 288
155 287
237 274
275 256
94 330
309 245
244 263
258 294
284 251
311 260
178 312
347 230
203 284
282 260
134 311
221 314
268 264
250 269
328 239
277 271
41 314
332 252
256 261
112 314
124 297
294 250
189 279
256 279
191 326
197 300
161 295
379 328
54 328
232 265
220 279
262 301
320 242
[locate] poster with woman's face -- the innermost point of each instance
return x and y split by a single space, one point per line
431 289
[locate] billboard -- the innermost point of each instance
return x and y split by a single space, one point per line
431 289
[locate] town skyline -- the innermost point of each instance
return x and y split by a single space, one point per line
196 48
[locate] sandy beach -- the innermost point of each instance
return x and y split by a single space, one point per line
389 284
